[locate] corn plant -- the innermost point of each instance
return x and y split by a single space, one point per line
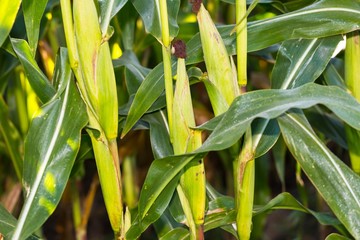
250 108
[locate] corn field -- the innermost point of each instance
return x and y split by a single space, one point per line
170 119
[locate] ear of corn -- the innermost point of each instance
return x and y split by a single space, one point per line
185 139
217 62
96 80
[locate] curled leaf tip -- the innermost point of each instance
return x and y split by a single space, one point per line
196 5
179 48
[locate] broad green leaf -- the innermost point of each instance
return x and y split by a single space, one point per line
33 12
336 182
302 60
127 20
320 19
159 135
285 201
150 13
38 81
109 8
272 103
332 76
148 92
11 138
8 12
49 156
7 224
269 135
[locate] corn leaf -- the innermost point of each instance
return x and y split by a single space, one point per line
320 19
33 12
108 9
49 156
8 222
38 81
148 92
150 13
8 12
302 60
272 103
336 182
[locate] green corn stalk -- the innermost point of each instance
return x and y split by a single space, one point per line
166 52
244 187
192 183
91 62
241 41
222 85
352 79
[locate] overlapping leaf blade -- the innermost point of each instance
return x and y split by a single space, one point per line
335 181
33 12
320 19
8 223
272 103
38 81
150 13
49 156
109 8
301 61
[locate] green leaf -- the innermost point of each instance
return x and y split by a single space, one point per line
37 79
302 60
148 92
150 13
8 222
336 182
49 156
269 135
159 135
33 12
320 19
8 12
109 8
272 103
